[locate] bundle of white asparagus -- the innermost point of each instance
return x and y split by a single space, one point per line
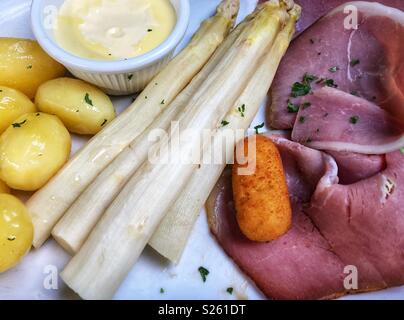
49 204
238 74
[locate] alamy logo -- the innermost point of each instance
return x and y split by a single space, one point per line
51 279
351 20
351 280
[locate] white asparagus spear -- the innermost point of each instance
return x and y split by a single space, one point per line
173 232
49 204
75 226
118 239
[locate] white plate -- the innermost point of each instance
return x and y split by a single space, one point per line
152 272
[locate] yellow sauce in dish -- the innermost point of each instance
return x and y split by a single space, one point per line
113 29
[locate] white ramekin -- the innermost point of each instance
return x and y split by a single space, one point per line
115 77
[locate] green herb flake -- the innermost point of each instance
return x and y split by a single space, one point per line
304 87
104 122
354 119
149 30
330 83
230 290
302 119
163 101
402 150
18 125
38 114
306 105
260 126
204 273
333 69
355 93
29 66
162 290
354 62
292 108
1 90
11 238
88 100
242 110
224 123
130 76
77 111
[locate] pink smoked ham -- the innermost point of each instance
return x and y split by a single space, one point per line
300 264
334 226
315 9
364 223
363 62
337 121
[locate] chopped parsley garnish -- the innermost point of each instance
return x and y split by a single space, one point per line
163 101
77 110
305 105
225 123
149 30
258 127
104 122
161 290
130 76
11 238
354 119
1 90
354 62
302 119
29 67
292 108
304 87
204 273
18 125
229 290
355 93
333 69
145 97
330 83
402 150
88 100
38 114
241 110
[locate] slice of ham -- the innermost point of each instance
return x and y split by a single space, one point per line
364 223
315 9
337 121
366 61
353 167
300 264
334 226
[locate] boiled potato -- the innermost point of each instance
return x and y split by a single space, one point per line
12 105
83 108
32 150
16 231
25 66
4 188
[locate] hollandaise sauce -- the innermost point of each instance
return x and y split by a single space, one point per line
113 29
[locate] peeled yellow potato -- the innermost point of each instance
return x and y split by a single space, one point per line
12 105
32 150
25 66
4 188
83 108
16 231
